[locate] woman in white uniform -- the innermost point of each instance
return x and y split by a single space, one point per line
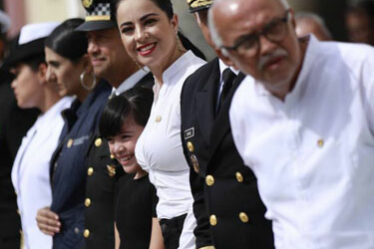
149 31
33 89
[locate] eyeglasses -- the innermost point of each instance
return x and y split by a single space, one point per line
274 31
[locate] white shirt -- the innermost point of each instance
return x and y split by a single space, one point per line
313 154
30 172
131 81
159 148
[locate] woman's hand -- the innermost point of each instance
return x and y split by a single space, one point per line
48 221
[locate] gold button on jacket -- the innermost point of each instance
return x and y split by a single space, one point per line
243 217
239 177
87 202
98 142
209 180
320 143
86 233
90 171
190 147
213 220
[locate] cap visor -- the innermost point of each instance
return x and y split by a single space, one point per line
95 25
193 10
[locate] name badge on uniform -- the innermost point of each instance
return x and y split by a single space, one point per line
189 133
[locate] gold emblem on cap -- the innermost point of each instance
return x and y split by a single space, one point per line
111 170
87 3
199 3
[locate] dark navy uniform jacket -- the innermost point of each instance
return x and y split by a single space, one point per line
69 166
103 173
227 206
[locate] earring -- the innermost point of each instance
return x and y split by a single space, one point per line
83 84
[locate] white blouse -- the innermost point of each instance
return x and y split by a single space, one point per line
159 148
313 153
30 172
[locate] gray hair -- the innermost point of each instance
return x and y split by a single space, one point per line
216 38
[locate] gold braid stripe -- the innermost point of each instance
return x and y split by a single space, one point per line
207 247
199 3
97 18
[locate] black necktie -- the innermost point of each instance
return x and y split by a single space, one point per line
228 78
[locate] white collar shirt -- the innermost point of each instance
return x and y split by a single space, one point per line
313 153
30 172
159 148
130 82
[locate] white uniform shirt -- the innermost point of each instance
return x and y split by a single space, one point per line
30 172
313 154
159 148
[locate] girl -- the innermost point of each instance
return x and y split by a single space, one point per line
122 122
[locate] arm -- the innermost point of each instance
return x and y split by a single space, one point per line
157 241
48 221
202 230
117 240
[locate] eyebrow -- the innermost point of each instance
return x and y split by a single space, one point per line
141 19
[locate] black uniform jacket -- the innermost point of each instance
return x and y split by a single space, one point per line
227 206
103 173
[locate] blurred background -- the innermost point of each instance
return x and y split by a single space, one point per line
30 11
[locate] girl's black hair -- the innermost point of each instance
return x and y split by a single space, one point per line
66 41
136 102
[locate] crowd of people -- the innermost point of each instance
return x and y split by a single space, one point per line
116 133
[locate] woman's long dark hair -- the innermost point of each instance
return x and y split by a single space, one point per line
66 41
136 102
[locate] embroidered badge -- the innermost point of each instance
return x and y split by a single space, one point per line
189 133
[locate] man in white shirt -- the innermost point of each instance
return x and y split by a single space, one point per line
32 88
303 121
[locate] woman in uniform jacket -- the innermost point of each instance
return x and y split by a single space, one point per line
149 31
66 55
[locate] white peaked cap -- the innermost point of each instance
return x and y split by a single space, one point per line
35 31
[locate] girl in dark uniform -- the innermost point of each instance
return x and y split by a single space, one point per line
121 123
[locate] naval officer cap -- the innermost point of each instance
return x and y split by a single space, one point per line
199 5
30 42
99 15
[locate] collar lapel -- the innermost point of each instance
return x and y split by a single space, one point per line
206 101
221 125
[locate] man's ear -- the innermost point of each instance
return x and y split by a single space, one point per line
87 64
42 73
224 58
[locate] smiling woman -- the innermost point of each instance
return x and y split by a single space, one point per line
149 32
